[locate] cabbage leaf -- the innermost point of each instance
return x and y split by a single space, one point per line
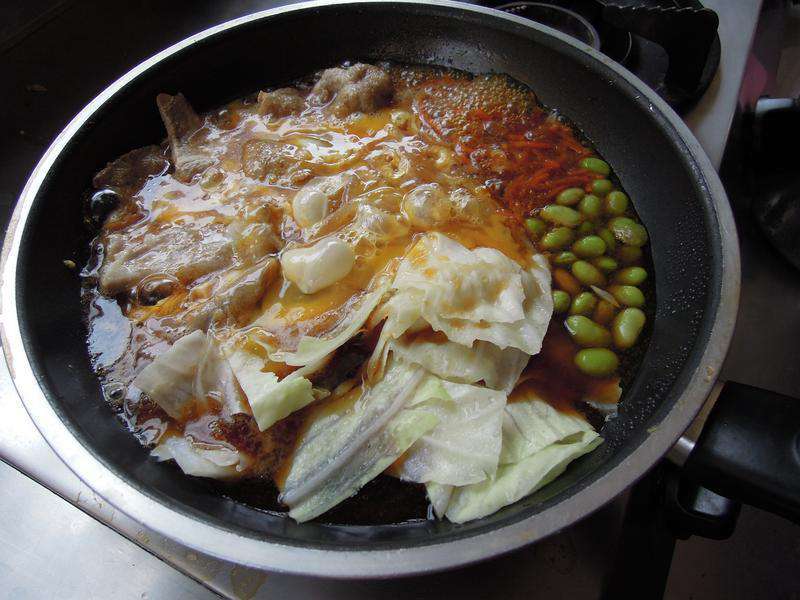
515 481
271 399
312 349
531 425
201 460
538 444
468 295
439 497
214 378
343 450
189 371
169 379
498 369
464 447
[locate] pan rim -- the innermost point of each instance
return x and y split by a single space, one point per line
365 563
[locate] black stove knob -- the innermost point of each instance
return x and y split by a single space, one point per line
776 181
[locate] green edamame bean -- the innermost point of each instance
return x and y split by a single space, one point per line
586 332
570 196
616 203
601 187
628 231
628 295
590 206
587 273
557 238
597 165
561 215
627 326
564 258
631 276
605 263
590 246
561 301
608 238
583 304
535 227
597 362
629 254
585 228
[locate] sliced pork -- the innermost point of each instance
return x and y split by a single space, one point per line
181 123
281 102
360 88
185 252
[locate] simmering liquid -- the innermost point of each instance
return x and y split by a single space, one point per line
226 207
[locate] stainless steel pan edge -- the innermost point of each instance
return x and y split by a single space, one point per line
366 563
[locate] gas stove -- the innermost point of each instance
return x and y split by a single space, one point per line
672 45
74 554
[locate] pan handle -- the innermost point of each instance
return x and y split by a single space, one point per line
749 450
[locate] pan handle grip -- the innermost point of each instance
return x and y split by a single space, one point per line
749 450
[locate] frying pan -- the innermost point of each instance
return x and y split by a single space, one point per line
676 192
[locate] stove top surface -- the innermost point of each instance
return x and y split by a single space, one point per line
47 85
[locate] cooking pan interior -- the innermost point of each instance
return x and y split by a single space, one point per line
646 154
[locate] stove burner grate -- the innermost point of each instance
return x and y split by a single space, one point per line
672 45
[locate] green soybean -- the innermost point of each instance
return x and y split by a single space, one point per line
597 362
616 203
557 238
561 215
601 187
628 231
627 326
597 165
583 304
561 301
590 246
629 295
570 196
590 205
586 332
587 273
585 228
564 258
631 276
608 238
535 227
629 254
605 263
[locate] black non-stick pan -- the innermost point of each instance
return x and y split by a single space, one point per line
675 190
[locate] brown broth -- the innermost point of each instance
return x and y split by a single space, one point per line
553 376
485 134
